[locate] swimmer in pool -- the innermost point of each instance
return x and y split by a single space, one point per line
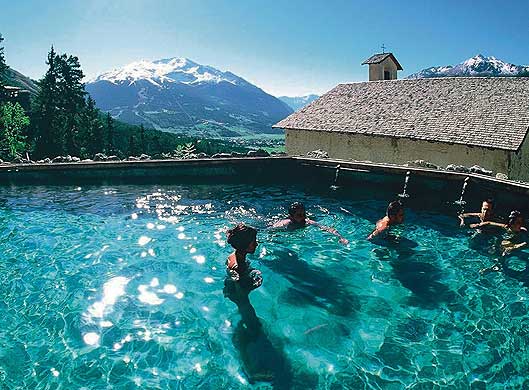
515 237
297 219
394 216
486 214
241 278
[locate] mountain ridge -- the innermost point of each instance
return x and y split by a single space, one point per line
298 102
477 66
182 96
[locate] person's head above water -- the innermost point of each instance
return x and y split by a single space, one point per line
395 212
516 221
296 212
487 209
243 238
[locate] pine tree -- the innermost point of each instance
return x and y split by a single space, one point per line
92 130
143 146
73 103
110 134
3 65
47 138
132 148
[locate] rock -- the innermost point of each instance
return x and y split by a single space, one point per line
112 158
145 157
318 154
457 168
202 155
100 157
480 170
421 164
502 176
87 160
58 159
221 155
20 160
133 158
76 159
258 153
237 154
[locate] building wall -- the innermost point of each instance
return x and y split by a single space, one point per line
376 71
396 150
519 163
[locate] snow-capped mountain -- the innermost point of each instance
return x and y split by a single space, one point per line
478 66
297 102
180 95
171 70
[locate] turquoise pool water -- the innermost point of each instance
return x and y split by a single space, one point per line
121 288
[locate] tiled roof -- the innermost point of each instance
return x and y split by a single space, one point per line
378 58
488 112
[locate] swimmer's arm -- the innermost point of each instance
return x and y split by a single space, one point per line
329 230
380 227
466 215
487 223
280 224
508 246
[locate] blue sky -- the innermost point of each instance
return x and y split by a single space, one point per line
285 47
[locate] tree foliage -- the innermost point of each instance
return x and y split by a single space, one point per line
3 65
65 120
13 123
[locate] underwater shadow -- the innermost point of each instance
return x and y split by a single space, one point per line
312 285
521 275
422 278
262 360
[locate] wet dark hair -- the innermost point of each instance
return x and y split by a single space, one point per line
394 208
489 201
241 236
513 216
294 207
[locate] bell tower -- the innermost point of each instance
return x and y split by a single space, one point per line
382 66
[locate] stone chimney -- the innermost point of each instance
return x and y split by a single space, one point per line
382 67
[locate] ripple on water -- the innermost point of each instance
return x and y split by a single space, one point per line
122 287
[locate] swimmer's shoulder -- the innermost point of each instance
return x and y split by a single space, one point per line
231 261
281 224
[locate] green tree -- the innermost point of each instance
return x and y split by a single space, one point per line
92 129
143 146
110 134
46 137
3 65
72 100
132 147
13 122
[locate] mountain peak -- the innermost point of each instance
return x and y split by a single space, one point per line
168 70
477 66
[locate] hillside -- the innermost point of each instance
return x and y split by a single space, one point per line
182 96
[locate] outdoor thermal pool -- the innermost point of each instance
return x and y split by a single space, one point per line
121 287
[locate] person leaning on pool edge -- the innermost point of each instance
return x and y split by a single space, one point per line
297 219
515 238
486 214
241 278
394 216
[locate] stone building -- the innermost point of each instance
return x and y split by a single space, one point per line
463 120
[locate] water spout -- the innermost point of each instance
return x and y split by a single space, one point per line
404 194
462 202
334 186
